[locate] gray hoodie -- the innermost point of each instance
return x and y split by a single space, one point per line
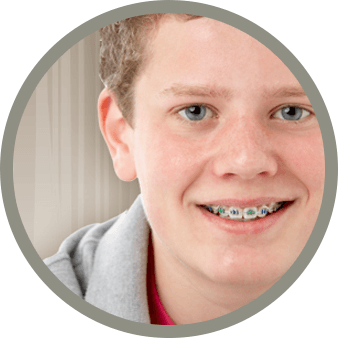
106 264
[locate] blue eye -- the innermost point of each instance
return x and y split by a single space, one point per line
291 113
195 113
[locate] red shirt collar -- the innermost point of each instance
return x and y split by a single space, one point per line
157 312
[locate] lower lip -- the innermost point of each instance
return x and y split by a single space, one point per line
245 228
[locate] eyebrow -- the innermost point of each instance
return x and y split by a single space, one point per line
285 92
178 89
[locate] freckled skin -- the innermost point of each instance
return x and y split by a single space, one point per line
242 153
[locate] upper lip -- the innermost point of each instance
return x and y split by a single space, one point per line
248 202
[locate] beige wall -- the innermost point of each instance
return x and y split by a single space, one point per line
63 175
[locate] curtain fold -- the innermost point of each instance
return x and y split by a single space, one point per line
63 174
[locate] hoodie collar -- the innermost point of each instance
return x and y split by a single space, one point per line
118 283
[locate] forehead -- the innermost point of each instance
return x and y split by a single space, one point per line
208 52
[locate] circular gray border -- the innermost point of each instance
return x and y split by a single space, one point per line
8 151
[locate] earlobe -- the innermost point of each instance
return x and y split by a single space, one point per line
118 136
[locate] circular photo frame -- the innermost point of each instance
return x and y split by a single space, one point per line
7 169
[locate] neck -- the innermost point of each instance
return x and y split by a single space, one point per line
189 297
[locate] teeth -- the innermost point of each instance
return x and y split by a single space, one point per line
243 214
263 211
235 213
250 213
215 209
274 206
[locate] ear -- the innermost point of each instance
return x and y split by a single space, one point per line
118 136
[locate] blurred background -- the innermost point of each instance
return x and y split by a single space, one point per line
63 174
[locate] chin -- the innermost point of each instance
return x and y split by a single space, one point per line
246 271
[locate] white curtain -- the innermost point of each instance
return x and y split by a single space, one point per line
63 174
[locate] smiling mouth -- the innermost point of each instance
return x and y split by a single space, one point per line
246 214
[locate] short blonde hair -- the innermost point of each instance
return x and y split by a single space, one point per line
122 55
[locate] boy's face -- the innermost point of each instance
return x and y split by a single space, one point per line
240 149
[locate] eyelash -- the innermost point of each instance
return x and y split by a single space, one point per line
215 114
194 122
301 120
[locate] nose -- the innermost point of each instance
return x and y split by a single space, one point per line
246 150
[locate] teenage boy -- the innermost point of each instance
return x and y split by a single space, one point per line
229 156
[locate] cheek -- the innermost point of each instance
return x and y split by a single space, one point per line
304 157
168 161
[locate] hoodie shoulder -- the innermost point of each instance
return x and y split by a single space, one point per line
73 263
